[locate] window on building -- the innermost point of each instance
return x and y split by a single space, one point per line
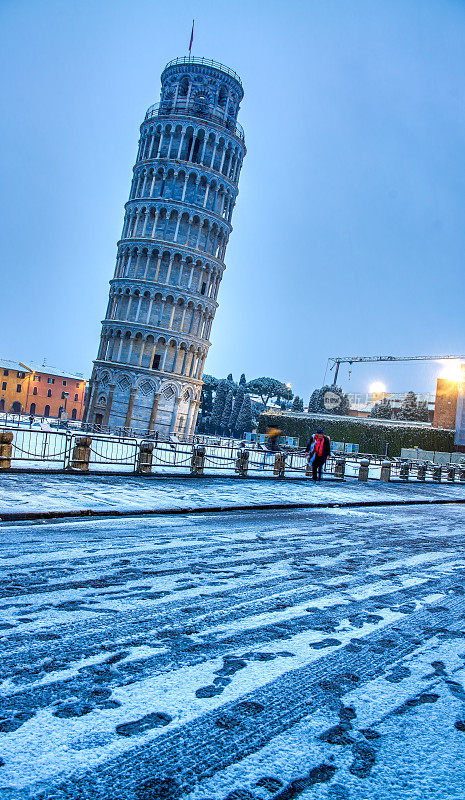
3 386
64 383
74 414
76 396
34 391
6 372
21 375
47 411
37 377
49 393
156 361
18 387
50 380
204 286
63 395
32 409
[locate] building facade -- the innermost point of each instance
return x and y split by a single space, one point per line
445 407
170 258
42 391
14 382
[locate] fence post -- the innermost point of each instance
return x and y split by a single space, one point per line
81 454
385 474
421 472
404 470
279 461
437 472
462 474
363 469
340 468
242 463
6 449
450 474
145 457
198 460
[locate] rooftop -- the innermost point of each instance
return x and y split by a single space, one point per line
5 363
46 370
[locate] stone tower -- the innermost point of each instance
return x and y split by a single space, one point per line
170 258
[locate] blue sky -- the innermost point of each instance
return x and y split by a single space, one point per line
349 233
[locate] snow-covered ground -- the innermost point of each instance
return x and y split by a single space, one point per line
42 492
253 656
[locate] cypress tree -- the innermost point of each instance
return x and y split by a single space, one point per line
237 407
218 405
244 422
227 410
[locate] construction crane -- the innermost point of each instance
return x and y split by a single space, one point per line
338 360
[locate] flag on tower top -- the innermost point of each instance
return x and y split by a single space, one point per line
192 37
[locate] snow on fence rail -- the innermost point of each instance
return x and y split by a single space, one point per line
68 451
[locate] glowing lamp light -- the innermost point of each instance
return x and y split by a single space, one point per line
451 370
377 387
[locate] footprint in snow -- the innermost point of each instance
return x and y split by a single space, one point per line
139 726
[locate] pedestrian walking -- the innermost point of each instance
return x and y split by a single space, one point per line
272 434
31 420
318 450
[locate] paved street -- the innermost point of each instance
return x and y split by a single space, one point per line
38 492
249 656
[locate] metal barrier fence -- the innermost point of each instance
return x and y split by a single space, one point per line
73 451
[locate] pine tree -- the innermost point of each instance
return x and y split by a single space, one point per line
409 408
297 404
218 405
423 411
236 407
242 381
382 410
227 411
230 377
244 422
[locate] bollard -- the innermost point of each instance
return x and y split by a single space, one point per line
450 474
340 468
81 454
385 474
6 449
242 463
404 470
437 473
363 469
462 474
278 468
198 460
421 472
145 458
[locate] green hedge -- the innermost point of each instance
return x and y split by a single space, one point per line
371 435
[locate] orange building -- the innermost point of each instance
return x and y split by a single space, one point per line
445 408
42 391
14 381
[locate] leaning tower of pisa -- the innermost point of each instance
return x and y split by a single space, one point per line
170 258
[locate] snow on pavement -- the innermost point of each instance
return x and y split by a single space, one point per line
34 492
313 654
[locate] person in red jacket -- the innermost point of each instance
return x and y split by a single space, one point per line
318 450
